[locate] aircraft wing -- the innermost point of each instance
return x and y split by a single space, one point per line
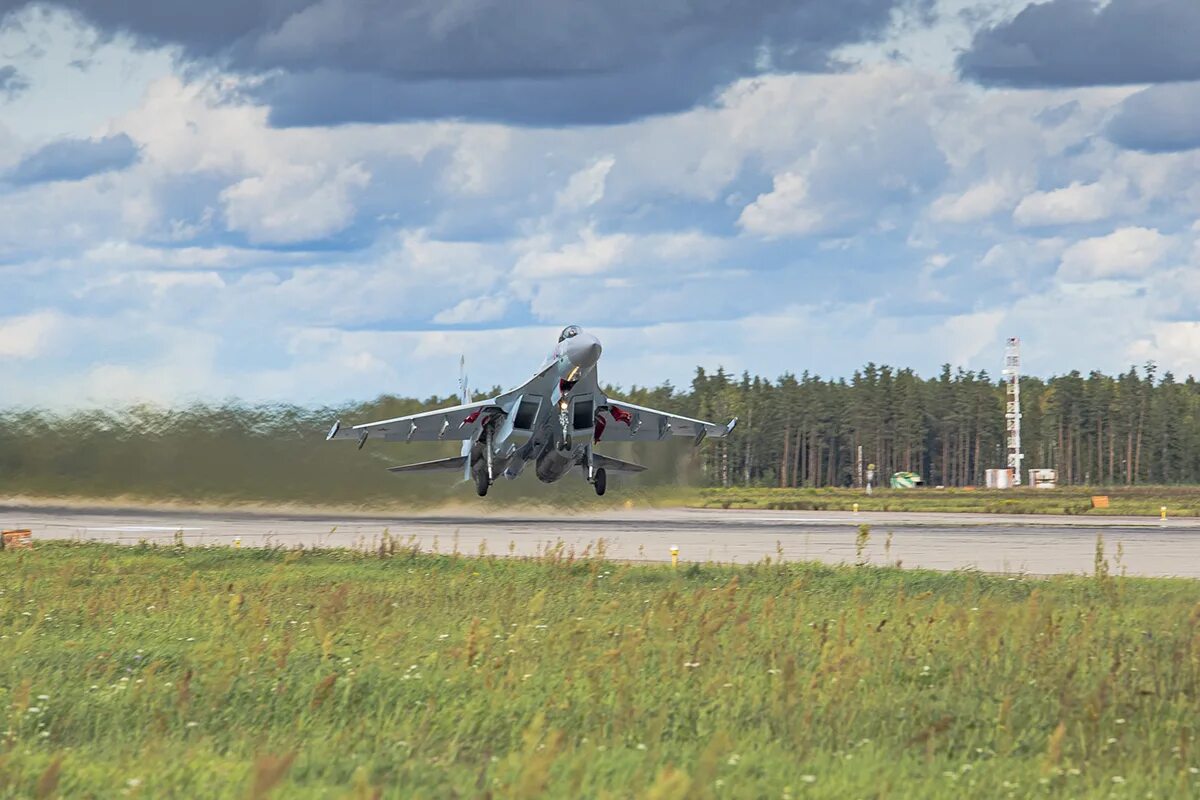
625 422
615 464
456 463
455 424
458 423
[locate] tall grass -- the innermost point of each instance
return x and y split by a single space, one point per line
181 672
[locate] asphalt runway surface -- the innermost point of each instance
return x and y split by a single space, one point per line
1017 544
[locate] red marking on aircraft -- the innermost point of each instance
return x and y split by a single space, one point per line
621 415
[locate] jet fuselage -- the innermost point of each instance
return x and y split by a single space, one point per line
562 427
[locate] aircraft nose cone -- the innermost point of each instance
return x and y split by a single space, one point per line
584 351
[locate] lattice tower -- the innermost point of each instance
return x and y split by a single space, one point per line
1012 406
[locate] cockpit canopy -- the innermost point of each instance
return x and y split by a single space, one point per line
568 332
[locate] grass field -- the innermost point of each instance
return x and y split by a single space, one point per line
167 672
1180 501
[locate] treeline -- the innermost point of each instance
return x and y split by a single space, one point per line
1140 427
247 453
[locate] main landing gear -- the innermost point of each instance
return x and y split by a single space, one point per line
600 481
483 472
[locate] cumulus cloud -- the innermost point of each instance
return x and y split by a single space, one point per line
847 153
1089 43
785 210
1124 253
294 203
473 310
1159 119
586 187
73 160
975 203
27 336
591 254
1078 202
530 61
1175 343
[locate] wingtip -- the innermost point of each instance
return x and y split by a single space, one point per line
732 424
333 432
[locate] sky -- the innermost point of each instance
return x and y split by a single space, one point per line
316 201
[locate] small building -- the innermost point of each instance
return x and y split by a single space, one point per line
1043 478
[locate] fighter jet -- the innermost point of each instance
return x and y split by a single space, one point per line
555 420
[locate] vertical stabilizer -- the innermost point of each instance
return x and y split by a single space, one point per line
464 397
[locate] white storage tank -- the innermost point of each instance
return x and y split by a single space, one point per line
1000 478
1043 478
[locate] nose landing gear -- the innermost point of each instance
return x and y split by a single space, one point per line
600 481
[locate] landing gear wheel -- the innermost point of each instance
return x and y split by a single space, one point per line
600 482
481 483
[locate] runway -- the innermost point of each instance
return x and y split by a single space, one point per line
1016 544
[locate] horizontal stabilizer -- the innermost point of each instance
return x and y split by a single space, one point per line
615 464
457 462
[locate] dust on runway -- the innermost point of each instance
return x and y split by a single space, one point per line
987 542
